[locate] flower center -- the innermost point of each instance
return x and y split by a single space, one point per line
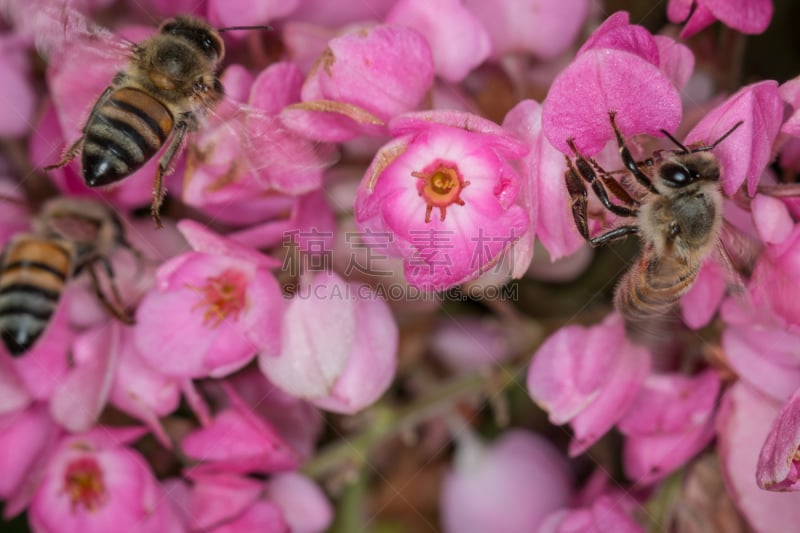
83 482
223 295
440 185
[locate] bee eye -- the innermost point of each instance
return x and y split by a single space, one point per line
676 175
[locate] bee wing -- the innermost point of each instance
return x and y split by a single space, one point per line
72 227
57 27
244 141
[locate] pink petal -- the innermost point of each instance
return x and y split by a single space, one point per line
224 13
371 366
319 332
217 498
602 80
510 485
444 23
777 469
509 24
24 438
603 515
700 304
766 358
745 154
276 87
543 169
743 423
617 33
325 13
239 441
747 16
672 403
386 70
303 503
772 219
82 395
676 60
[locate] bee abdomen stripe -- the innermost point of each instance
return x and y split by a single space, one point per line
117 140
23 264
10 312
29 290
148 109
136 119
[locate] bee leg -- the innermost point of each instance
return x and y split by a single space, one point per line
164 166
69 155
614 235
577 198
73 150
627 158
586 169
116 310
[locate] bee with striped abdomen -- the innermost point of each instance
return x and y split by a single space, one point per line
678 213
167 87
69 236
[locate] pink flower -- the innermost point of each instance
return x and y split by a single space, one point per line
700 303
244 13
542 173
443 192
746 16
588 377
745 154
26 437
506 486
94 482
325 13
211 310
17 92
248 151
743 423
238 440
540 27
466 344
304 504
761 351
668 423
444 23
602 515
297 422
777 463
363 79
617 69
224 503
338 348
775 274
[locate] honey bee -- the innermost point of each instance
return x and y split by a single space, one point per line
167 87
68 236
678 217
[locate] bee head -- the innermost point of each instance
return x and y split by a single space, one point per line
685 169
196 32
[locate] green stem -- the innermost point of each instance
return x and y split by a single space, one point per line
389 421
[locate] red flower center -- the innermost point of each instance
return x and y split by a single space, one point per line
440 185
223 295
83 482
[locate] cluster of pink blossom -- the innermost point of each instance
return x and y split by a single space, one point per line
373 165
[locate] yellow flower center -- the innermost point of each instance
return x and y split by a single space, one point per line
223 296
83 482
440 185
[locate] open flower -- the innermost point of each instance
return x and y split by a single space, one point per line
444 191
95 482
212 309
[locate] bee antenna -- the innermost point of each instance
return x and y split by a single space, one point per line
231 28
716 143
675 141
